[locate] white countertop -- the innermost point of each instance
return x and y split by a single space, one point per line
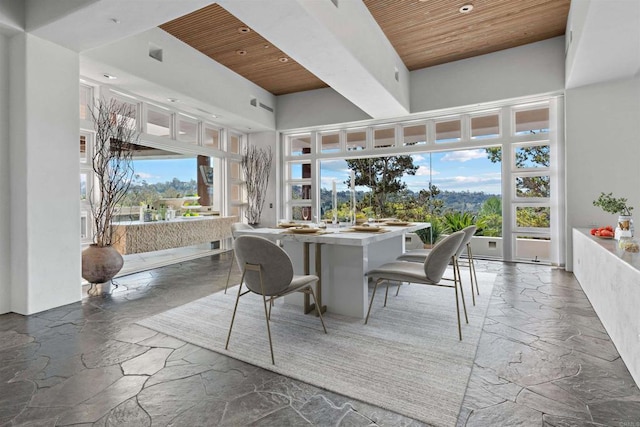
611 245
336 236
176 219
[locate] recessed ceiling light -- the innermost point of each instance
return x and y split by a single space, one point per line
241 52
266 46
214 116
466 8
110 76
283 59
244 30
172 99
115 20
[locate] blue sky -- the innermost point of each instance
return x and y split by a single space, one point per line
154 171
465 170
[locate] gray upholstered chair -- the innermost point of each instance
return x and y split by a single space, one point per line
236 226
419 255
430 272
267 271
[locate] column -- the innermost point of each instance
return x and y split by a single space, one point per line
44 170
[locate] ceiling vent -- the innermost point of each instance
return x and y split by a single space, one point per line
155 52
266 107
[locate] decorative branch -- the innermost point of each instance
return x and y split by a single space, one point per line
116 136
256 165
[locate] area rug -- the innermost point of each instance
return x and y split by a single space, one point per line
407 359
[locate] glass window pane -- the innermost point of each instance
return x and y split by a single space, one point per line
132 110
532 186
383 138
449 131
236 193
211 137
356 140
84 225
533 217
236 211
83 149
485 126
330 142
299 170
532 121
234 170
85 101
414 135
300 144
301 213
234 144
83 186
535 156
159 123
187 130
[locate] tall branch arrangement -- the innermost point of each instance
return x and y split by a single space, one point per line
116 135
256 165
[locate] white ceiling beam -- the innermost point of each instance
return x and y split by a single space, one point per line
340 43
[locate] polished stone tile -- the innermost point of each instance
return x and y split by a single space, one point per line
543 358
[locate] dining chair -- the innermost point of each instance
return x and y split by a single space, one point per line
235 227
267 271
430 272
419 255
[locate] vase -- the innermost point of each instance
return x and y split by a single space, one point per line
625 227
100 264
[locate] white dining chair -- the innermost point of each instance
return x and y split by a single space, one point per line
267 271
235 227
419 255
430 272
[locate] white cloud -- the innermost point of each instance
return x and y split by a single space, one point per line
464 156
147 176
424 171
418 158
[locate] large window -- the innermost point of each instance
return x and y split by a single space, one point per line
450 166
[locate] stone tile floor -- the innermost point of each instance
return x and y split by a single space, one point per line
544 359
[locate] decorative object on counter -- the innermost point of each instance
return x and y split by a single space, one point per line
619 206
115 140
628 244
256 165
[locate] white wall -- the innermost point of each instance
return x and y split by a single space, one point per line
12 16
315 107
5 273
268 139
44 135
532 69
602 151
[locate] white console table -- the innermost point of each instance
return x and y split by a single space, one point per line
610 278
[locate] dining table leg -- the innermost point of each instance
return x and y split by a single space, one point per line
308 306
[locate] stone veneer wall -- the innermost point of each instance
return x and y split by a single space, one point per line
154 236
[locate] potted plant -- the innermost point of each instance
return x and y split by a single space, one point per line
256 165
619 206
115 139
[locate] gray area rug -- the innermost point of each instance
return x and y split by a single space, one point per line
408 359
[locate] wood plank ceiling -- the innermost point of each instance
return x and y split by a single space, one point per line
423 32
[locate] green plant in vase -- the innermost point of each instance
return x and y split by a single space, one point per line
620 206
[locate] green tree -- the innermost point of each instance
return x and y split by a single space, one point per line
533 156
383 175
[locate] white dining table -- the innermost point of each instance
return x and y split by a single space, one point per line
342 258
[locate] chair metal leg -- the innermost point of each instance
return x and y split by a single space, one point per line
386 293
455 285
398 290
266 315
464 303
318 309
472 265
233 317
230 268
372 297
